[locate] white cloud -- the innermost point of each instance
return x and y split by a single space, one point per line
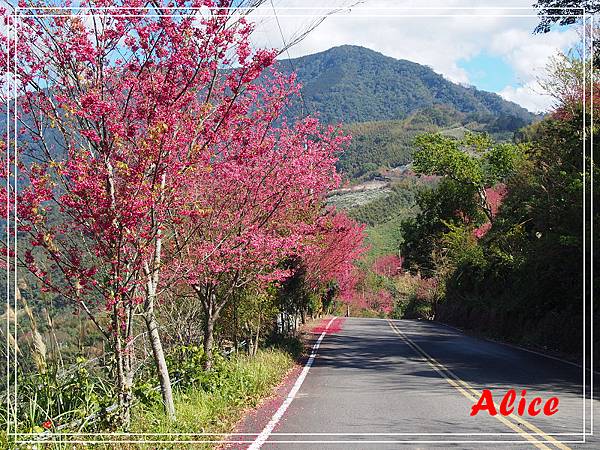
529 54
439 42
529 95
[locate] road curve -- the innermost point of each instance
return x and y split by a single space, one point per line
376 383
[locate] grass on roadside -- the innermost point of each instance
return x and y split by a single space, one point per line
248 381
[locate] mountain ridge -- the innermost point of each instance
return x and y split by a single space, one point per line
350 83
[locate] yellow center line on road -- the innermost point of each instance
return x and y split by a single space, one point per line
472 394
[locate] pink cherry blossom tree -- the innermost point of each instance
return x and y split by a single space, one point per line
254 203
337 243
388 265
119 112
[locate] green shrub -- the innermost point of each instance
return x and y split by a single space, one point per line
186 363
238 383
289 344
64 399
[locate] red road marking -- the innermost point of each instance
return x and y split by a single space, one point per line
335 327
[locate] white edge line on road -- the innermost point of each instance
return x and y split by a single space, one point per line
269 427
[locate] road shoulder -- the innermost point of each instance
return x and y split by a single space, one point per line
255 419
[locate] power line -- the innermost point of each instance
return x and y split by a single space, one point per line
287 51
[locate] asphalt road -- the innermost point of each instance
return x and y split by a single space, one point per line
390 384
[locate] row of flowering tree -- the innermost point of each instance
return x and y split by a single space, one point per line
151 152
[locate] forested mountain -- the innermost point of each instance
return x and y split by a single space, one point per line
384 103
355 84
389 143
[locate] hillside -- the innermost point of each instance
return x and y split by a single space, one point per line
354 84
388 143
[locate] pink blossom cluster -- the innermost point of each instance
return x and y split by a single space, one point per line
388 265
159 141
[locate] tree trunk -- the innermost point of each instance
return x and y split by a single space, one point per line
152 279
487 209
154 336
121 335
124 374
161 365
250 341
124 390
212 308
209 327
235 325
255 348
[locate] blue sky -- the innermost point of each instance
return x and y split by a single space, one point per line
488 72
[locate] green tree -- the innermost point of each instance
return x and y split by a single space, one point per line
475 162
447 205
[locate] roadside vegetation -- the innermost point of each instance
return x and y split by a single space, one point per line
503 232
175 224
213 402
494 242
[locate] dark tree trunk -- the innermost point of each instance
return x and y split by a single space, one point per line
209 327
124 387
235 326
212 308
